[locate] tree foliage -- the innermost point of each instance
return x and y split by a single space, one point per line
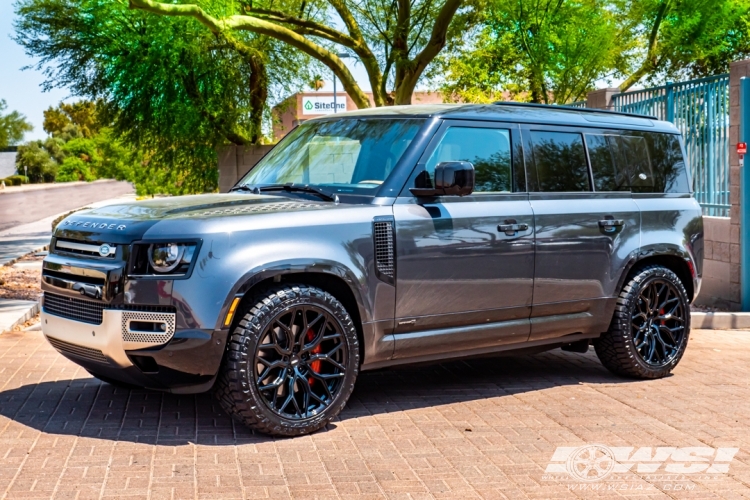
13 126
558 50
541 50
681 38
394 40
166 87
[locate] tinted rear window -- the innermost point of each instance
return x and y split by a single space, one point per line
560 161
644 162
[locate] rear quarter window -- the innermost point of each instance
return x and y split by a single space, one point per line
642 162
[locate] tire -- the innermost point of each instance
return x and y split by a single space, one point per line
646 341
283 387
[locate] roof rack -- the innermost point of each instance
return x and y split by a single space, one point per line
570 108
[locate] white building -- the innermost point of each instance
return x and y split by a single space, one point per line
7 162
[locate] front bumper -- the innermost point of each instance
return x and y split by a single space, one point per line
180 361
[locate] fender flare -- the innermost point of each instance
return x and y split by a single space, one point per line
295 266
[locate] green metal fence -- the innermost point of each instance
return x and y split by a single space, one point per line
700 109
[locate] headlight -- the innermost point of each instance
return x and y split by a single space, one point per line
164 257
158 259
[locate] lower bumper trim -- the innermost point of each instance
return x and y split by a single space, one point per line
79 351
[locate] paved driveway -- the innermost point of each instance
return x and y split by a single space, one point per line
477 429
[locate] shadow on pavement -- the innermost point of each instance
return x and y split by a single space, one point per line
90 408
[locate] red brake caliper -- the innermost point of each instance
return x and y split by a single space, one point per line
661 313
315 365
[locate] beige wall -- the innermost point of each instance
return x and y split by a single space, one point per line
718 288
235 161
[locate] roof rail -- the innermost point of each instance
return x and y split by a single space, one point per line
570 108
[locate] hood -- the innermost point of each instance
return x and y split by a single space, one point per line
124 222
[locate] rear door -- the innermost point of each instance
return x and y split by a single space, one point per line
587 228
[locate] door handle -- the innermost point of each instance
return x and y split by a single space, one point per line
611 225
510 228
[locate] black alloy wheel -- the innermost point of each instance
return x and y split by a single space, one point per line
658 323
650 327
300 362
291 361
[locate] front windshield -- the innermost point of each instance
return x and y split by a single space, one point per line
344 156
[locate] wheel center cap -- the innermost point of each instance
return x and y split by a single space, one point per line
295 361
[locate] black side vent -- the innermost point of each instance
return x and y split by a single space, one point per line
385 249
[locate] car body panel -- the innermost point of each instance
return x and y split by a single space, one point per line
462 287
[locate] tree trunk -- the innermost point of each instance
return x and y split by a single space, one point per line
258 96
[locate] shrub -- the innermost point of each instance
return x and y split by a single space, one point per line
15 180
74 169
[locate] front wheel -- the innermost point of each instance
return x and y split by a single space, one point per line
291 362
650 327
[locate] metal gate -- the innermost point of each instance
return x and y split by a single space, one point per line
700 109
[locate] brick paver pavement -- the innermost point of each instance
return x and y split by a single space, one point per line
475 429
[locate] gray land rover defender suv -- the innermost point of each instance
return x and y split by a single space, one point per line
388 236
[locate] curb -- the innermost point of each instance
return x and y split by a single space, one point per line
51 185
720 320
30 313
16 259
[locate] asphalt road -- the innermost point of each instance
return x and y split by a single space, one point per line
28 206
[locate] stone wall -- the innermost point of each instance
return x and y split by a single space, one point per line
719 287
235 161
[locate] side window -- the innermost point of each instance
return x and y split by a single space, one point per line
488 149
602 155
560 161
653 162
668 164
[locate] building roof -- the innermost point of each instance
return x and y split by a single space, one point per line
519 113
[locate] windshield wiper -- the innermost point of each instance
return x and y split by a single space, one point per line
245 187
299 188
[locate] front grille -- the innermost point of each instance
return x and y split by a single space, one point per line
78 351
84 248
75 309
384 248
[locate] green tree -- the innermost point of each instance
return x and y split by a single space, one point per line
13 126
81 114
38 162
394 40
548 51
679 38
167 88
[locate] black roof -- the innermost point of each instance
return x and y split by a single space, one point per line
519 113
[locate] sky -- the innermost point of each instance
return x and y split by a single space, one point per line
22 89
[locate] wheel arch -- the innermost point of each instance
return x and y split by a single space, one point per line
330 277
678 263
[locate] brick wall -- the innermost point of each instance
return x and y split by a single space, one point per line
235 161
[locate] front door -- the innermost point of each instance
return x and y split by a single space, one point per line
587 229
465 265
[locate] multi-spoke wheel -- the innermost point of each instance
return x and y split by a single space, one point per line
650 326
291 363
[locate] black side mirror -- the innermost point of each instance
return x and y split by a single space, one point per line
452 178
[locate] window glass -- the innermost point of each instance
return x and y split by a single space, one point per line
668 164
603 164
488 149
343 156
560 161
653 162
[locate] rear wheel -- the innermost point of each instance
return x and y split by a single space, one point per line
650 327
291 362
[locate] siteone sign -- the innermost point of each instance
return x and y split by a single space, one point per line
323 105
